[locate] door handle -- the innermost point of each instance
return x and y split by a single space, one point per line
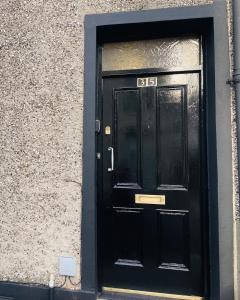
112 159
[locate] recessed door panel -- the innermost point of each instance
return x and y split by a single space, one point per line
127 137
172 136
128 230
173 237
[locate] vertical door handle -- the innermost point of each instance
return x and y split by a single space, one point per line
112 159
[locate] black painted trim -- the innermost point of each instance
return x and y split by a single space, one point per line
89 222
212 21
17 291
154 15
150 71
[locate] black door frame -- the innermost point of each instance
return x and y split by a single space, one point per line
211 22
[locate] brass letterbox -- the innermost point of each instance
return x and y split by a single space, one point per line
150 199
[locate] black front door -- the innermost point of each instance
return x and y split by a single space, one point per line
151 204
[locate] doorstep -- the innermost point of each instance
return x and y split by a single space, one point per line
121 294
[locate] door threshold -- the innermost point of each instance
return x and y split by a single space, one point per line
107 291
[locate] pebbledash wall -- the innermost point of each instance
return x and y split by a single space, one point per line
41 104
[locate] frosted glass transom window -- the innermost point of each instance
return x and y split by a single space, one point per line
161 53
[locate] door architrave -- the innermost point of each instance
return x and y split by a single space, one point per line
211 22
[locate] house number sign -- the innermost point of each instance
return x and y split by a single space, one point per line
145 82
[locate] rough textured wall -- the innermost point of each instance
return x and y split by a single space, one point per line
41 95
236 208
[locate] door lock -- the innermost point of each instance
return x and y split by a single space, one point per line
107 130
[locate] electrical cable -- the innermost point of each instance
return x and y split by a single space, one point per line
73 283
64 282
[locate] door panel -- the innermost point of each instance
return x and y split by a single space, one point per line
126 137
155 136
128 247
173 235
171 136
